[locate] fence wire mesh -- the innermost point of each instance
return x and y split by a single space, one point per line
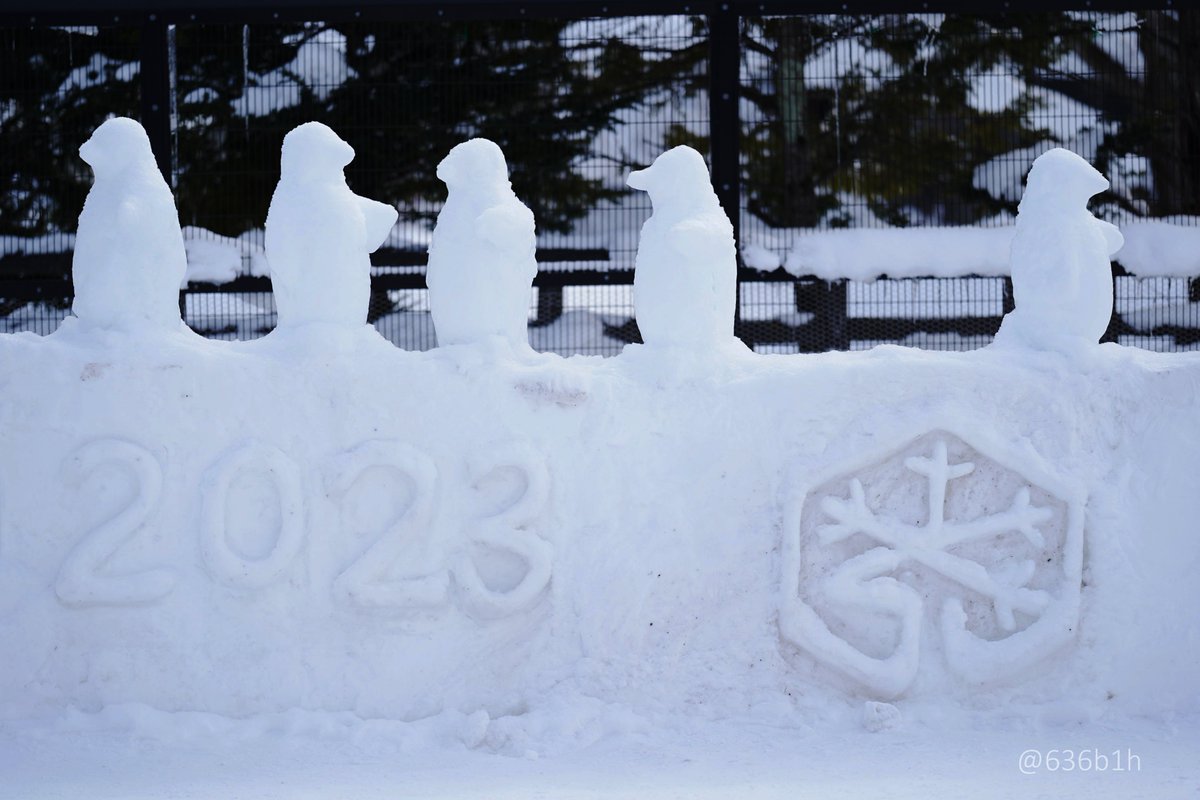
847 121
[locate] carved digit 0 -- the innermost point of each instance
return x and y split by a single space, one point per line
507 531
363 583
224 563
81 580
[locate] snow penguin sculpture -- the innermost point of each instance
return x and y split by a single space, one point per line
129 260
481 257
1060 258
320 235
685 277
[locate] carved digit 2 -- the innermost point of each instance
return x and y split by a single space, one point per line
223 562
362 582
80 580
507 530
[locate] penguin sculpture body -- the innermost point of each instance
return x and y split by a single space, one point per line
482 256
685 278
1060 259
320 234
129 260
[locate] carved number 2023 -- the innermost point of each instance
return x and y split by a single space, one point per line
86 579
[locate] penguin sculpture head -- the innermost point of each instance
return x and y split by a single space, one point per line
679 175
475 162
1064 178
313 150
115 145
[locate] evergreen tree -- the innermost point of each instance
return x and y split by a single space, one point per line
878 110
403 95
56 86
1154 105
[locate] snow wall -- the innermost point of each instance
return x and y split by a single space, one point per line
334 524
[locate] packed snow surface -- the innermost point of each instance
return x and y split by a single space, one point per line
546 555
481 258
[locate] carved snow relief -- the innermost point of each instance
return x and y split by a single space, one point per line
941 556
226 561
86 577
508 532
365 582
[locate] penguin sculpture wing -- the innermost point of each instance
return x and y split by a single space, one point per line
1112 236
129 218
507 228
380 218
700 238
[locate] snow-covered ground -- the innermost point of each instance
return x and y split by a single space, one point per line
291 758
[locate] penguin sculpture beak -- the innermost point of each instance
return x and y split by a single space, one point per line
345 153
1097 183
639 179
87 151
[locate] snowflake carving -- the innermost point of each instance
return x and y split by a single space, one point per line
859 579
927 544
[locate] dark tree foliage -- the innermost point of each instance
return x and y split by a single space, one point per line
412 93
897 131
56 86
1156 109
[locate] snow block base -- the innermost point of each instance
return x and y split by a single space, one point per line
338 525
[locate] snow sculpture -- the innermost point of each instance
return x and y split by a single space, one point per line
403 545
225 561
1060 258
320 234
129 260
989 552
86 577
685 279
508 531
481 258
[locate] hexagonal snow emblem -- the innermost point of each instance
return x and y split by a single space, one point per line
941 555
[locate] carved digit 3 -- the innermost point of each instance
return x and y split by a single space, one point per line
81 581
507 531
224 563
363 583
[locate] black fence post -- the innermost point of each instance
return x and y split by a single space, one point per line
1116 325
549 305
837 328
724 74
156 91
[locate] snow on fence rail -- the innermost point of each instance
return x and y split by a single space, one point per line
577 308
1153 248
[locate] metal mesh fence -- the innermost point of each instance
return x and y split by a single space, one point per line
847 121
